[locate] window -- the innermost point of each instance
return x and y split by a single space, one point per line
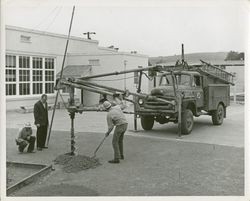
24 89
37 62
166 80
26 75
10 89
10 61
24 62
49 75
10 75
49 88
197 81
49 63
37 75
94 62
37 88
181 79
10 72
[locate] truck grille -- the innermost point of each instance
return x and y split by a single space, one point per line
152 104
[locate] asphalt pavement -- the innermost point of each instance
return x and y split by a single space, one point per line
208 162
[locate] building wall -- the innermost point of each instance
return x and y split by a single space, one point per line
239 79
80 52
111 63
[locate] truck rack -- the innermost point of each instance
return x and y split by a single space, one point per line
204 68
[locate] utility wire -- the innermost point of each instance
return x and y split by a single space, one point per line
44 19
53 20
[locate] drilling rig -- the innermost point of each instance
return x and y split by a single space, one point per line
183 91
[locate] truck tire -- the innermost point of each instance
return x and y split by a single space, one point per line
218 115
147 122
187 122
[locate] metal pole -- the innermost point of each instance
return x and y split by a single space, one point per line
135 115
125 77
120 72
72 111
65 52
182 53
154 81
179 114
72 142
139 85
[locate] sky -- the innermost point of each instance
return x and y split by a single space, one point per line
154 28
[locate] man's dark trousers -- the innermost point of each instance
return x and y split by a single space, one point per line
117 140
31 142
41 136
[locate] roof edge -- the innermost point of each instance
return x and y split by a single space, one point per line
28 30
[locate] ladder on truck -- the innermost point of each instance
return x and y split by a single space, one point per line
204 68
216 72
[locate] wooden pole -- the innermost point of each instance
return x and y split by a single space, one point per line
64 57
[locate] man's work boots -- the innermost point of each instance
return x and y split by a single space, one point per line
122 157
116 160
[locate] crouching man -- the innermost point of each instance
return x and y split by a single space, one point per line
25 139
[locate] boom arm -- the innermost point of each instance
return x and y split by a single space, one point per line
101 89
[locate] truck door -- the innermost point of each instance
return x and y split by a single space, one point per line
198 91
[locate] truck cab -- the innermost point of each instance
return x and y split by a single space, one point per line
188 83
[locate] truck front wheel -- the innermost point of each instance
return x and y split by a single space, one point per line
218 115
187 122
147 122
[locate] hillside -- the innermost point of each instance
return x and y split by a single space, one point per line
211 57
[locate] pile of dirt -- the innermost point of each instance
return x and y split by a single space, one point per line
76 163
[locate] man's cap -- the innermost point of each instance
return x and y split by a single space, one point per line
106 105
27 125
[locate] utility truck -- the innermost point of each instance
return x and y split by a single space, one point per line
190 91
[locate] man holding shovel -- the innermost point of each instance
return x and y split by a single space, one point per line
116 118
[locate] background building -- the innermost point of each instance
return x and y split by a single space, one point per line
34 58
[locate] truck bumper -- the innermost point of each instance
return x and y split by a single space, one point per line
143 111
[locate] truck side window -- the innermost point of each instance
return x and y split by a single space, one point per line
197 81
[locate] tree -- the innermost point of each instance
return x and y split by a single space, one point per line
232 55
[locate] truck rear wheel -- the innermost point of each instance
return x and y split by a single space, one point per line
147 122
218 115
187 122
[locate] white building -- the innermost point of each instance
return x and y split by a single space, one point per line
34 58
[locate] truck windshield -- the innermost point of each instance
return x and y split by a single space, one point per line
181 79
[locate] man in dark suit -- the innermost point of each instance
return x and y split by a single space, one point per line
41 121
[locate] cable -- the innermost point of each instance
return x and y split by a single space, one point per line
35 27
53 20
46 29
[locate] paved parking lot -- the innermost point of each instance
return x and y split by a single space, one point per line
210 161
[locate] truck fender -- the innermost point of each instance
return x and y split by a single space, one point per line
190 105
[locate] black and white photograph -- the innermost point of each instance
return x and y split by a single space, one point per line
124 99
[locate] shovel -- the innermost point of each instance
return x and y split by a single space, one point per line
99 146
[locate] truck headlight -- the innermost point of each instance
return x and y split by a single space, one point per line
140 101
